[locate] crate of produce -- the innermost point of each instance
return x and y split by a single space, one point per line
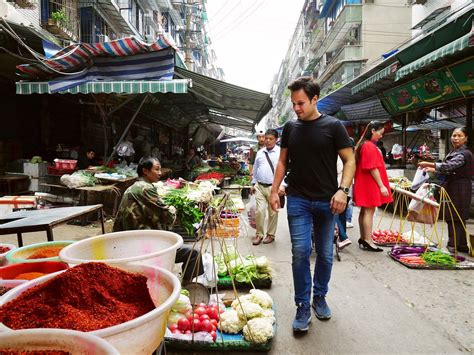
65 163
247 324
225 283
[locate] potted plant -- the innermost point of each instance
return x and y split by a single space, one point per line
58 17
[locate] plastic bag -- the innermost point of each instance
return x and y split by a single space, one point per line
397 151
421 177
209 278
251 211
421 212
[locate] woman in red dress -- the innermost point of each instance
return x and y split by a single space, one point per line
371 187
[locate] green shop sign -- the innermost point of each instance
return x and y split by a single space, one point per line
431 89
463 74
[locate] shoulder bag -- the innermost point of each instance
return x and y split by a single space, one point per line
282 198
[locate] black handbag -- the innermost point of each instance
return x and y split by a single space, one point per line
282 198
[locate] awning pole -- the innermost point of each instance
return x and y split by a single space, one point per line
125 132
404 138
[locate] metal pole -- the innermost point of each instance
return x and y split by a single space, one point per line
404 138
125 132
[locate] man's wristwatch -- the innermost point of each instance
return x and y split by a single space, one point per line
344 189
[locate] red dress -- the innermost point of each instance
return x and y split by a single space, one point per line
366 190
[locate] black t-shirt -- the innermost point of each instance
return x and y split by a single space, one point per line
312 151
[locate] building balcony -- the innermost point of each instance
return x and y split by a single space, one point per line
61 18
346 54
350 16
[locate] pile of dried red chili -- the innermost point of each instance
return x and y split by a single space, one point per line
4 249
33 352
87 297
213 175
47 252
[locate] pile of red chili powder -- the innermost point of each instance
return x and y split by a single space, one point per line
87 297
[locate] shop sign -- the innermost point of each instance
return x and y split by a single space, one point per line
433 88
463 74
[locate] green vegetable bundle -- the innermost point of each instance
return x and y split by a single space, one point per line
438 258
242 269
242 180
186 210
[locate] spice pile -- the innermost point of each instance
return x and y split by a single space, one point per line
48 252
4 290
33 352
87 297
3 250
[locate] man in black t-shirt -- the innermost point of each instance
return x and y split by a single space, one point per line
312 144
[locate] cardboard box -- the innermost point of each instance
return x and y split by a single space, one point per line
8 203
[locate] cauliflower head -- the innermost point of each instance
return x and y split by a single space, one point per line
262 298
258 330
243 299
249 311
269 314
230 322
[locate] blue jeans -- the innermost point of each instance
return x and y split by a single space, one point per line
349 210
301 214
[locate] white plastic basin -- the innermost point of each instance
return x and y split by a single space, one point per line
150 247
141 335
56 339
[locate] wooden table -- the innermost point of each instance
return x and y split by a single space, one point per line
44 220
14 184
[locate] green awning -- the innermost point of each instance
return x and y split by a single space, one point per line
449 49
374 78
108 87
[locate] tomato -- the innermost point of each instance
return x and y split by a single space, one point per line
204 316
213 335
200 311
202 304
183 324
206 326
173 327
191 317
176 331
189 331
213 313
214 322
214 328
376 233
196 325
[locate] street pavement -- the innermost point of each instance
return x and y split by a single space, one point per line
378 305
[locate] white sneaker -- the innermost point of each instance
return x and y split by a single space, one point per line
349 225
343 244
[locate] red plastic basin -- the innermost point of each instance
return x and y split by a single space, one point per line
46 267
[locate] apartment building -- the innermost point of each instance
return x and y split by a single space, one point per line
63 22
337 40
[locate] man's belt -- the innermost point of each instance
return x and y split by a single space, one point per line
264 185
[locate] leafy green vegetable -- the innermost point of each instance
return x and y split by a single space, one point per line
242 180
438 257
186 210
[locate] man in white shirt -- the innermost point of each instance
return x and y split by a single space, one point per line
263 172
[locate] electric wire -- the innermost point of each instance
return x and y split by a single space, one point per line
229 29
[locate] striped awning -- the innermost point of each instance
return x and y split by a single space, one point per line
449 49
374 78
178 86
76 58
